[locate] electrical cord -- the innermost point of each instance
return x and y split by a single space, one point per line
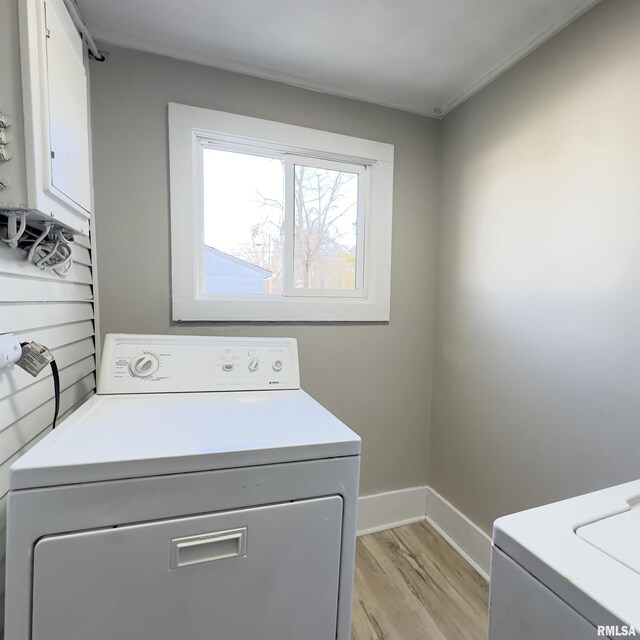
63 261
56 391
12 240
37 241
52 254
80 26
47 248
56 388
42 262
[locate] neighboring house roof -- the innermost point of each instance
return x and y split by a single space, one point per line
221 255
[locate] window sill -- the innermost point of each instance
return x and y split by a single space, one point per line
281 310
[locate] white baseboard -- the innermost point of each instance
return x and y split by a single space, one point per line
466 537
391 509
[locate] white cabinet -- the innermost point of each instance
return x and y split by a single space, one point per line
51 176
66 80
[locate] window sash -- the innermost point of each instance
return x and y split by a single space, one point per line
290 161
289 289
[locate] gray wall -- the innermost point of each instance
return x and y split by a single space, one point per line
537 361
375 377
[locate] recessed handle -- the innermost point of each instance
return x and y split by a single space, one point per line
207 547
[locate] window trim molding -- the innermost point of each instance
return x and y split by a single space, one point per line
188 126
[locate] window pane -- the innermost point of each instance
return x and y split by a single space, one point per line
326 228
243 223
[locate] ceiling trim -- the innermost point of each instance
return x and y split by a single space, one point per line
117 38
515 58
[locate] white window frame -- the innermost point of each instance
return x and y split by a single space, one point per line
191 128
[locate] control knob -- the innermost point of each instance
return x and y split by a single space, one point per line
143 365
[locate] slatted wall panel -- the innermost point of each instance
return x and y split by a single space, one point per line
56 312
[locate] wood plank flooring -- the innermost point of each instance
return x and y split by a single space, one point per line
411 585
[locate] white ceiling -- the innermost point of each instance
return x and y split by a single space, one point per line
425 56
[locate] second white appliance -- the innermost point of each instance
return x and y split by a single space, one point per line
568 570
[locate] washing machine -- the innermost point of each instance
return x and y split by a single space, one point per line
568 570
201 494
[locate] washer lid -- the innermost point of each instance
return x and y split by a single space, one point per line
114 437
582 550
618 536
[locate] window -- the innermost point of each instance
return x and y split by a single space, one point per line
274 222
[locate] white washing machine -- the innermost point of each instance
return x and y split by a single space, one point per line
568 570
200 495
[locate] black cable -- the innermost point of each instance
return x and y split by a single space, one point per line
56 388
56 391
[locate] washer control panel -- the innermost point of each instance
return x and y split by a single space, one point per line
167 364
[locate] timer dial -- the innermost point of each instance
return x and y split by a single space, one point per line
143 365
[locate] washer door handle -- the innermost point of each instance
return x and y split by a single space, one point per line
207 547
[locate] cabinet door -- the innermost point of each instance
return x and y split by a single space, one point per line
68 112
265 573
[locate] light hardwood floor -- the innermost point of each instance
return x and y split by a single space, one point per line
411 585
